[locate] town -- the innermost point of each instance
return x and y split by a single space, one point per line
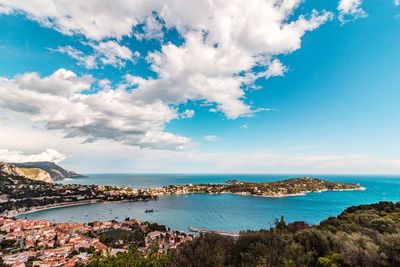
42 243
19 195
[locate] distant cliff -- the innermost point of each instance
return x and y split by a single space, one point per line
42 171
29 173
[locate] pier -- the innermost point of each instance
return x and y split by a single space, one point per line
203 231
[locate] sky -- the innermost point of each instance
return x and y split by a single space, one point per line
173 86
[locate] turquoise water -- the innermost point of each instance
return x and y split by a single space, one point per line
224 212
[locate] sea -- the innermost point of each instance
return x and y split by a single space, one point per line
225 212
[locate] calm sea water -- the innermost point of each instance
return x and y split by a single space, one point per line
224 212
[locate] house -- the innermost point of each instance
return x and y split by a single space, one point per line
151 237
115 251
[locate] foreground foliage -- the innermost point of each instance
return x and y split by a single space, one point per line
366 235
132 259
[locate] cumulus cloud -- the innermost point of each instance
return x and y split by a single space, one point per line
221 51
226 47
56 101
17 156
88 61
202 70
112 53
152 29
224 42
93 19
350 9
104 53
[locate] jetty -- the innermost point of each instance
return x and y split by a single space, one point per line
203 231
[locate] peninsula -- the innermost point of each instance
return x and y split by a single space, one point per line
284 188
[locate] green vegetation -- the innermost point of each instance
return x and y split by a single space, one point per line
275 189
156 227
366 235
132 259
117 237
30 171
6 244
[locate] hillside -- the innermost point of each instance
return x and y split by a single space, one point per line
55 171
28 173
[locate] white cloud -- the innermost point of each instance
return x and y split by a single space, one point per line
187 114
397 2
96 20
272 68
108 156
116 114
17 156
112 53
61 83
244 126
211 138
350 8
222 40
152 29
105 53
88 61
5 10
239 37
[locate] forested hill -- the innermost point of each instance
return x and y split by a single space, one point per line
366 235
282 188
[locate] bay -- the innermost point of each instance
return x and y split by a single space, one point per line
224 212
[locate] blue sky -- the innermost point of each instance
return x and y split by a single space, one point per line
325 99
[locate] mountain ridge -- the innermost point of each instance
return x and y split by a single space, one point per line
46 171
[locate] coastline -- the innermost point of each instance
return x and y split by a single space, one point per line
57 206
97 201
265 195
15 213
